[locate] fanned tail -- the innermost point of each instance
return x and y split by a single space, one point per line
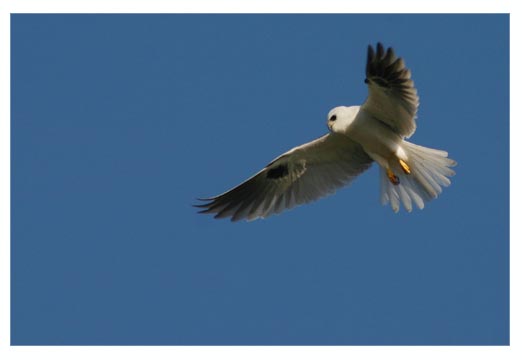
429 171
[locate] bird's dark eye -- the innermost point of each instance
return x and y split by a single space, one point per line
333 117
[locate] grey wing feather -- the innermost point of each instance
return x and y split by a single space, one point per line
303 174
392 97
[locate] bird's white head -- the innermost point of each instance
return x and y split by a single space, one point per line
340 118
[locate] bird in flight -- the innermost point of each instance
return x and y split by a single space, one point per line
359 135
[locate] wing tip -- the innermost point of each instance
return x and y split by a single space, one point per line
380 49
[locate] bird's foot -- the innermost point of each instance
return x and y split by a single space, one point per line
393 178
405 167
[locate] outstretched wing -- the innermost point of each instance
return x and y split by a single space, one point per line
392 97
301 175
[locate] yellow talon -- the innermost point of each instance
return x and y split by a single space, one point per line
405 167
393 178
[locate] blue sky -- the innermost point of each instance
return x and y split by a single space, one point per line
120 122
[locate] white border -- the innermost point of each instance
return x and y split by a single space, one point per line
257 6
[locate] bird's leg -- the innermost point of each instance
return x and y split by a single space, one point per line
393 178
405 167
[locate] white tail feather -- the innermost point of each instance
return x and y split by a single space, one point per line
430 169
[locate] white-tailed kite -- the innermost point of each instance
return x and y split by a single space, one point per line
359 135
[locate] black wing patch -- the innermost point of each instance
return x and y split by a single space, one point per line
277 172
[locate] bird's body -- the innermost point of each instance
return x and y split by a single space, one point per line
359 135
377 139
